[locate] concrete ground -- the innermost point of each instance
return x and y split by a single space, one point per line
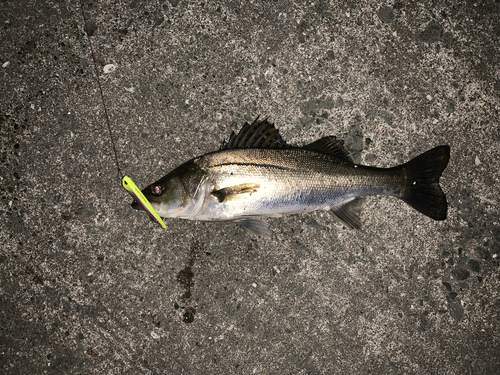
90 286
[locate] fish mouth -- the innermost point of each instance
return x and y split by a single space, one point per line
136 206
139 207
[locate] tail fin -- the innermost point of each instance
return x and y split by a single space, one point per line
423 192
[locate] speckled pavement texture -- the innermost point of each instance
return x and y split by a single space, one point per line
90 286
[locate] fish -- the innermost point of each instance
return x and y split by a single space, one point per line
257 174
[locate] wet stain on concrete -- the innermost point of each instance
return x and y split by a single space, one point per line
185 278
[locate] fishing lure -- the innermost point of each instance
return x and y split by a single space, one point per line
134 191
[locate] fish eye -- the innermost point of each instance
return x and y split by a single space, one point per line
157 189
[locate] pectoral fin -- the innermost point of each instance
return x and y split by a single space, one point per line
231 192
348 213
254 225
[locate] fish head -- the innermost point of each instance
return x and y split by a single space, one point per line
165 195
179 194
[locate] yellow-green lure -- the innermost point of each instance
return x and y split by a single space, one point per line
134 191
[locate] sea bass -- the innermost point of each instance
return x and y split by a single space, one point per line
257 174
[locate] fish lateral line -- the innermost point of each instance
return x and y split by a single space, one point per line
257 165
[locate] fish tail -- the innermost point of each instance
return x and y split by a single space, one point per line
423 191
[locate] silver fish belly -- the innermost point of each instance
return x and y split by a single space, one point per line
256 174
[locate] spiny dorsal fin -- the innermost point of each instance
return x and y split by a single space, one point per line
258 134
330 146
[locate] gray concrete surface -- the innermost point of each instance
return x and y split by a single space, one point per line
89 286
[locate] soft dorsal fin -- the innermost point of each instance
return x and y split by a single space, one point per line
330 146
258 134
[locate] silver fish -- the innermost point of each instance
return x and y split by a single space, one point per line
256 174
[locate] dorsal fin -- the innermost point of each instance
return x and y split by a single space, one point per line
258 134
331 146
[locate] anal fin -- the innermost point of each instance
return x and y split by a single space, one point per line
254 225
348 213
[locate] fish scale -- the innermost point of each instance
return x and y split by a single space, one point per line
294 180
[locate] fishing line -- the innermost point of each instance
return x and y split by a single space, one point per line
100 89
127 182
